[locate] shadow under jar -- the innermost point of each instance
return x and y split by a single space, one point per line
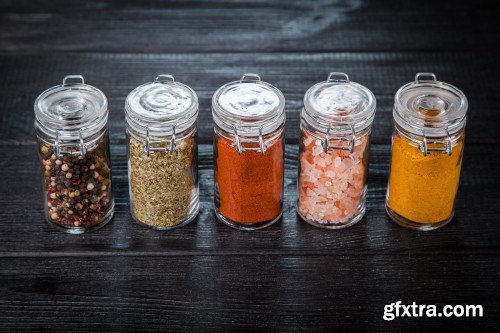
427 150
249 117
335 137
71 128
162 153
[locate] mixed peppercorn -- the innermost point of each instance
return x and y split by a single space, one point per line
77 188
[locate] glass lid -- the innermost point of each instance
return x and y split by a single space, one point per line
430 107
339 105
71 111
163 106
249 106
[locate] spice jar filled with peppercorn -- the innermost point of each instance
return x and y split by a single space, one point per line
71 128
335 127
162 153
249 117
427 150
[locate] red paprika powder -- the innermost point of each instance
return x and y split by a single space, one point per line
249 118
250 184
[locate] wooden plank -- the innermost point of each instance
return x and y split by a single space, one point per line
26 76
279 293
207 26
474 229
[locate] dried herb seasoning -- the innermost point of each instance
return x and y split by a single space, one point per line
77 188
162 183
161 142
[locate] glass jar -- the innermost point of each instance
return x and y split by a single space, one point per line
72 135
249 117
427 149
335 137
162 153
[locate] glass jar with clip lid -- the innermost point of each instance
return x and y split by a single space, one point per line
249 119
161 121
335 127
427 150
72 135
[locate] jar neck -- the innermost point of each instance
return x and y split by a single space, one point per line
417 139
69 132
321 133
336 128
242 142
75 147
153 142
159 128
161 136
428 145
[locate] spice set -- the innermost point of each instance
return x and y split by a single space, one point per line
249 120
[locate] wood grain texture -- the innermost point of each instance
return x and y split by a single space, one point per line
117 74
473 230
213 293
245 26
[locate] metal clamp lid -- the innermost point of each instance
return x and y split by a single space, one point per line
249 110
443 146
148 148
424 145
164 106
71 114
350 140
237 143
338 110
61 147
430 113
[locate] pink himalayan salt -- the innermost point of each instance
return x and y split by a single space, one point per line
331 185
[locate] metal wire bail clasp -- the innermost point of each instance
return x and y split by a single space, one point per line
423 77
77 78
250 77
442 146
350 140
164 78
149 144
61 147
237 143
338 77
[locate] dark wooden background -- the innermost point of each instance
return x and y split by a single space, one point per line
206 276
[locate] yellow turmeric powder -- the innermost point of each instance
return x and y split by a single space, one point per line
422 189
